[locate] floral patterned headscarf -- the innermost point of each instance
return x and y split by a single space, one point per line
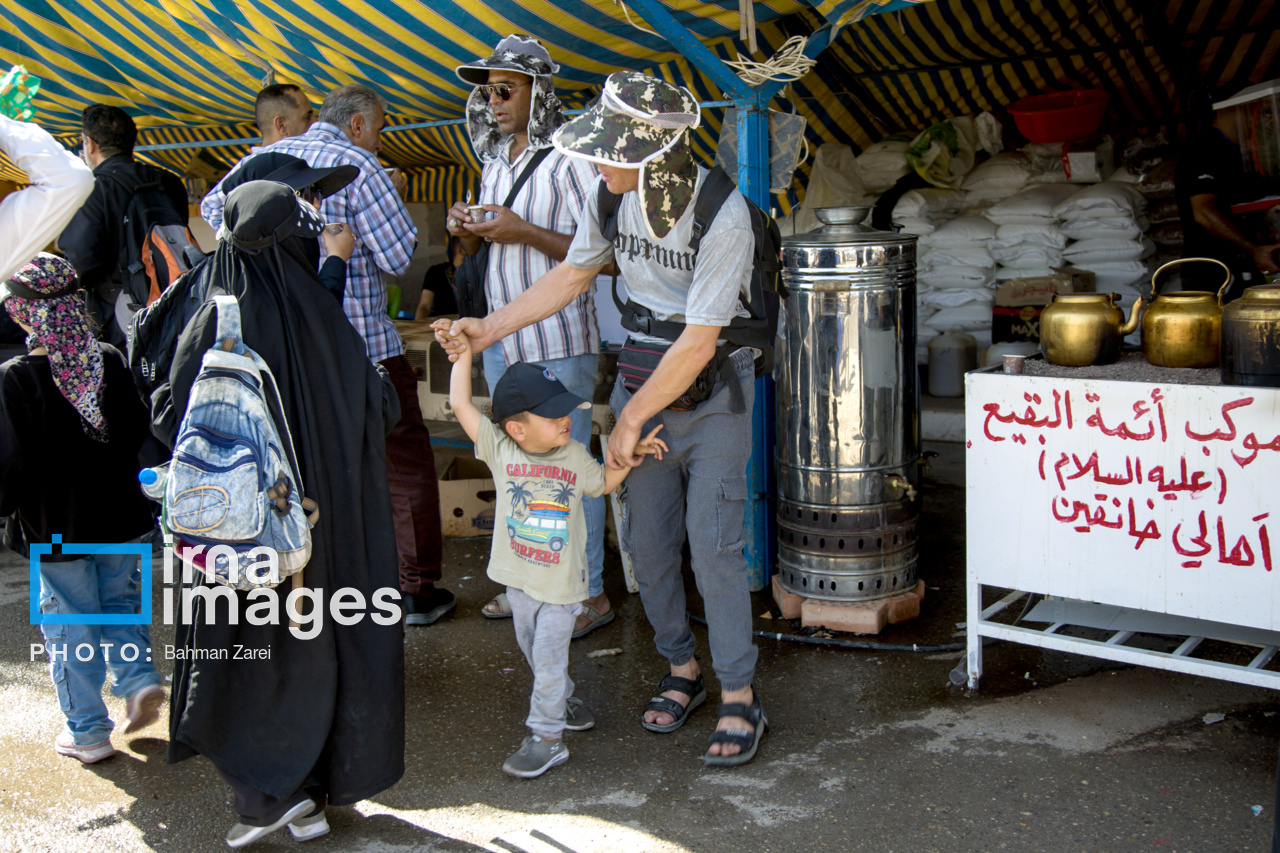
44 295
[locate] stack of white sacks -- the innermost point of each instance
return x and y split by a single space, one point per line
921 211
1012 217
996 180
955 274
1029 241
1106 223
960 257
1097 227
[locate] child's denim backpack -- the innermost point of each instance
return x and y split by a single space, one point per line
233 480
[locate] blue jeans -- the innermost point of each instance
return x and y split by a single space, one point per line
100 583
578 374
695 492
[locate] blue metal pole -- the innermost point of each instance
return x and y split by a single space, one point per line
753 182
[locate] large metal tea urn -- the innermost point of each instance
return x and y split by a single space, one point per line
848 411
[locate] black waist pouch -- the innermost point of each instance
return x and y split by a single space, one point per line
638 359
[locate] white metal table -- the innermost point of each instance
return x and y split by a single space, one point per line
1135 508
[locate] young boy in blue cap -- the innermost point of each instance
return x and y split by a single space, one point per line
542 557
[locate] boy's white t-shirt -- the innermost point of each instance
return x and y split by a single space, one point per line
539 532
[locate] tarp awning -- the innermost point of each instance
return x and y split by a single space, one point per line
189 69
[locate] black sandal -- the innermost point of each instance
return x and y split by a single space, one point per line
747 741
695 690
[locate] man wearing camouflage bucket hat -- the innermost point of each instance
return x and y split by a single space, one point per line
637 134
511 116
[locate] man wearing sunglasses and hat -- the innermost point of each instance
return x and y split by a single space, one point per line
511 115
637 134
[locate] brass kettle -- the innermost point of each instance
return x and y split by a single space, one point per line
1251 338
1181 329
1079 329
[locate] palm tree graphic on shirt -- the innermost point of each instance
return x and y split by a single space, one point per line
562 493
519 495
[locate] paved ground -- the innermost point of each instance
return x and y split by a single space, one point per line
868 751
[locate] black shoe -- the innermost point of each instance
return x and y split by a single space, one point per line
427 608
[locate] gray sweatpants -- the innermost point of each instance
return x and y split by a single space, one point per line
543 632
697 491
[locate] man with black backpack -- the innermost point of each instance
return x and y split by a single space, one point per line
694 271
104 240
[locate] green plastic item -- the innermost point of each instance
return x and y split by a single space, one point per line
17 88
393 300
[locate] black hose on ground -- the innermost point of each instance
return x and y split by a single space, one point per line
859 645
869 646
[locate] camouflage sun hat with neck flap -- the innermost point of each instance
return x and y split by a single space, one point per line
524 55
641 121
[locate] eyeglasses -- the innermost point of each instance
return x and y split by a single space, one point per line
502 90
311 195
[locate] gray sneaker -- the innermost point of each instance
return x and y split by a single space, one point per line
577 717
535 757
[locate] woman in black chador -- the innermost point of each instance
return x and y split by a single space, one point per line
321 719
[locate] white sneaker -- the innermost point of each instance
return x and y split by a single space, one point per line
242 833
89 754
143 707
307 828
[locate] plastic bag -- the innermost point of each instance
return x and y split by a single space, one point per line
1144 153
786 135
1159 182
883 163
17 88
943 154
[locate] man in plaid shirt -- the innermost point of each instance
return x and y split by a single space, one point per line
348 131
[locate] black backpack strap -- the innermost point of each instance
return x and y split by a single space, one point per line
607 212
526 173
132 186
638 319
634 317
716 188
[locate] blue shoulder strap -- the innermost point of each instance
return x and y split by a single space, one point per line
229 336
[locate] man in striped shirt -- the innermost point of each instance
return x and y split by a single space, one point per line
511 115
348 131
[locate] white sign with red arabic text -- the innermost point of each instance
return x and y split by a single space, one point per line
1157 497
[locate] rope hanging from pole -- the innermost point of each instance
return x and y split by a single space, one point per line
627 14
747 24
788 64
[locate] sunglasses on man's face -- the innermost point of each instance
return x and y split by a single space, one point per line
310 195
502 90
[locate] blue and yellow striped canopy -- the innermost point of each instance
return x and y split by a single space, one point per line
188 70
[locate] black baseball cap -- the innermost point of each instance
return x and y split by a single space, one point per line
527 387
